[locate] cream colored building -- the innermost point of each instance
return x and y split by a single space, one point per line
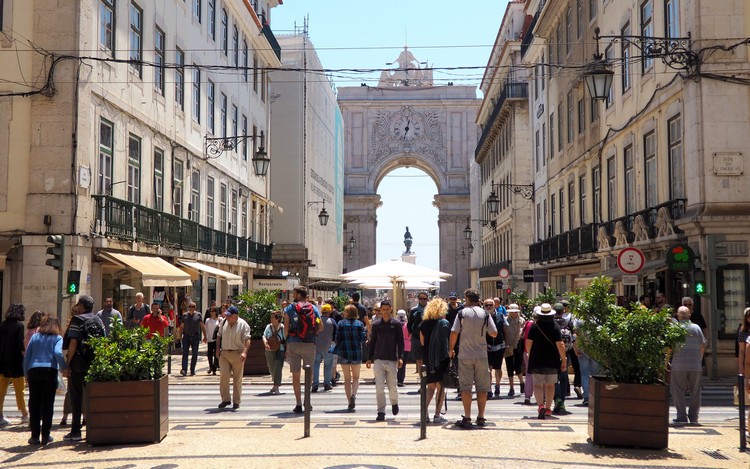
658 165
502 154
308 143
106 111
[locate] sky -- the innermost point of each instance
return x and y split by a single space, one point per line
360 34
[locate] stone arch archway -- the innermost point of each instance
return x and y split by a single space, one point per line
427 127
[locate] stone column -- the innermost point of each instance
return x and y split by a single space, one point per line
360 218
452 213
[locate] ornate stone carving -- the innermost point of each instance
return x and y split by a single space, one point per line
407 131
621 234
640 229
602 238
664 223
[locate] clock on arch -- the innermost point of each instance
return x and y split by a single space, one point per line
407 127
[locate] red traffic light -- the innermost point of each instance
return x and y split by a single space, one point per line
507 291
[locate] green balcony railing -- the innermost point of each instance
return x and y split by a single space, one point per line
125 220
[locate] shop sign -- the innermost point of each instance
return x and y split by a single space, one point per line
680 256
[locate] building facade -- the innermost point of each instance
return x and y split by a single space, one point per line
308 142
133 144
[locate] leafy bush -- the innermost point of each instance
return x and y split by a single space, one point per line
256 308
127 355
630 347
340 302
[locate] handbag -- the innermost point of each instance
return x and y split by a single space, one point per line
450 377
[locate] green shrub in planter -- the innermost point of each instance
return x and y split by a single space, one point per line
127 355
630 347
256 308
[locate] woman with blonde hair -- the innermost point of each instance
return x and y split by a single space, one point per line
349 338
434 336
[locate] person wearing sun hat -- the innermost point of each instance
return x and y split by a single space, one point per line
546 358
514 347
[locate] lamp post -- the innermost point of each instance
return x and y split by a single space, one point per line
483 222
216 146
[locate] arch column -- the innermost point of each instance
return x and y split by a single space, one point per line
360 216
453 209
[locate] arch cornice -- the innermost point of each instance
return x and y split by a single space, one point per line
401 160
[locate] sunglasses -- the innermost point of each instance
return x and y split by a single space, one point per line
191 306
489 305
422 299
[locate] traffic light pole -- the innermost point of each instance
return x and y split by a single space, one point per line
59 293
712 294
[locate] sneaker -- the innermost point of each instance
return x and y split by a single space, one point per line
497 390
183 372
512 392
542 412
585 403
680 421
25 419
64 422
4 421
548 412
297 409
400 385
327 387
48 440
394 409
527 401
224 404
489 395
439 419
235 406
579 393
34 441
338 376
352 402
314 388
192 373
559 407
73 437
380 417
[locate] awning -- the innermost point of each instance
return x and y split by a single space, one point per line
231 278
156 272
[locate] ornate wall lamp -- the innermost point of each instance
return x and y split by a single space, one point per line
493 201
215 146
323 215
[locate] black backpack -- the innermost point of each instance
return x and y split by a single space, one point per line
92 328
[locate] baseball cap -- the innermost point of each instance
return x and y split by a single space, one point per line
326 308
232 310
545 310
559 308
453 295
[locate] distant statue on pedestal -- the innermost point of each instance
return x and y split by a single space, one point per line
407 241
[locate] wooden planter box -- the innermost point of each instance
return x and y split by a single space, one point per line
127 412
256 359
631 415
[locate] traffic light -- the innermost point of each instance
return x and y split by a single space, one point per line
700 282
507 291
57 251
74 282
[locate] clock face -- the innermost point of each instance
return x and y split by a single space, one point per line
407 127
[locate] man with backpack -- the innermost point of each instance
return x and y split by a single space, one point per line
562 388
302 320
496 345
84 326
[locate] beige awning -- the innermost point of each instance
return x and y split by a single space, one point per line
156 272
231 278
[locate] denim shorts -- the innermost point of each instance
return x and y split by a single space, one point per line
344 361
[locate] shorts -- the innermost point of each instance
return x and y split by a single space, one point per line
544 378
416 348
344 361
298 352
473 371
495 358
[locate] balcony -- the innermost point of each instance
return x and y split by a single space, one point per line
637 227
510 91
120 219
272 40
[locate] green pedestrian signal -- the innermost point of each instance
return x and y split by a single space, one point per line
700 288
700 282
74 282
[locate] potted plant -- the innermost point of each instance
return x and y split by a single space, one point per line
127 392
256 308
629 404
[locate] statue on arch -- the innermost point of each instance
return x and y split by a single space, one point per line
407 240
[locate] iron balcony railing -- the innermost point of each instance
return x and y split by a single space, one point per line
120 219
510 91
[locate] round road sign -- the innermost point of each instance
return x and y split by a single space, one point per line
503 273
631 260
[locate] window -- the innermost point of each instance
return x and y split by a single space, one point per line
544 143
609 54
582 200
158 179
561 199
647 30
223 207
559 44
551 135
159 57
179 79
611 189
177 179
255 73
244 140
245 58
235 46
224 31
244 217
233 228
234 123
596 186
581 116
571 204
592 9
197 10
223 115
134 169
579 18
106 151
196 94
210 202
553 214
547 228
594 110
625 52
649 163
211 14
136 39
568 31
672 18
539 227
263 76
630 195
210 102
559 127
676 159
106 25
570 117
195 196
536 151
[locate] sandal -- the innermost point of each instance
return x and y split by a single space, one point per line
542 412
481 421
465 422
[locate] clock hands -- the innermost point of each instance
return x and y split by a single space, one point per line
406 128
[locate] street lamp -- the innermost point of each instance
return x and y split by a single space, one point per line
483 222
493 201
215 146
323 215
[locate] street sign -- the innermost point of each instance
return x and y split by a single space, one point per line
631 260
503 273
499 284
630 280
528 275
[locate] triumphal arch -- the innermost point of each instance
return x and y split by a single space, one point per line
409 121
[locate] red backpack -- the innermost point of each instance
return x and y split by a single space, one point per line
304 323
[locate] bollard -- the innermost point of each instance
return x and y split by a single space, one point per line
308 384
423 403
741 397
169 357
